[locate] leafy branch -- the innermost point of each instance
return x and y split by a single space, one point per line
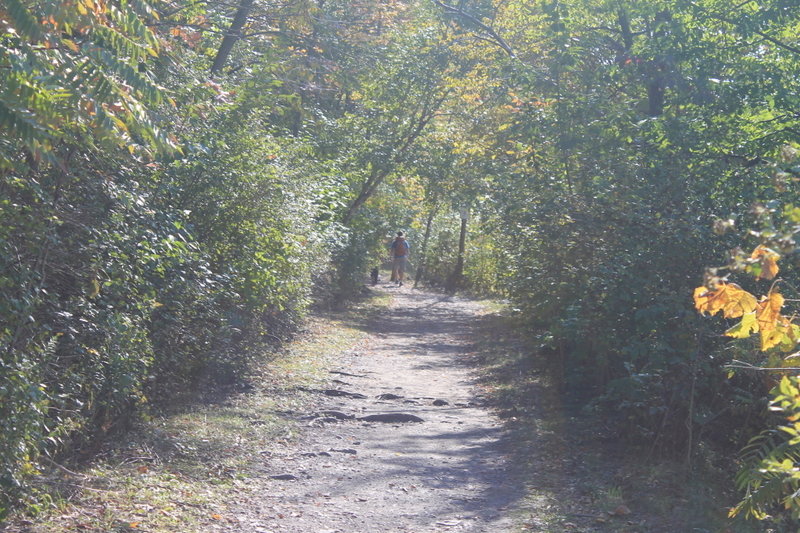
494 37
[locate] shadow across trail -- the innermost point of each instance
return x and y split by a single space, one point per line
446 473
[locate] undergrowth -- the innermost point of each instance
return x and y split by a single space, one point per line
185 470
578 475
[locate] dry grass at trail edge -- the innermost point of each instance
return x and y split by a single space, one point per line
183 471
577 477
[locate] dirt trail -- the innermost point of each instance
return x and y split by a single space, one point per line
348 475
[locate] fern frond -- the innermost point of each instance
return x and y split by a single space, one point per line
146 89
129 23
26 24
24 127
109 39
73 68
757 498
20 95
767 474
144 8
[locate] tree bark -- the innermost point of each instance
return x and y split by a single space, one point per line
655 95
454 282
233 34
625 29
423 250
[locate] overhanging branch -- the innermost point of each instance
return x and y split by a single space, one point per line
495 37
766 37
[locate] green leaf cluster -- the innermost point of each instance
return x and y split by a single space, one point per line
76 72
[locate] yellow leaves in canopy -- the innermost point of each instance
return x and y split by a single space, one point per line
768 259
729 298
472 98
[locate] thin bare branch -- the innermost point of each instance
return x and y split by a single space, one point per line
742 365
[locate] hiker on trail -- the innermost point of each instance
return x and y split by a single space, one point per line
399 252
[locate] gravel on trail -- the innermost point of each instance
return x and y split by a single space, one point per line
406 447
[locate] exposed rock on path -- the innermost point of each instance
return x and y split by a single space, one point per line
432 465
390 418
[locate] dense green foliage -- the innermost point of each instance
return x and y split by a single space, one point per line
180 181
130 276
627 182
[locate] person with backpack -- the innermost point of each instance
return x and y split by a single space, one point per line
399 252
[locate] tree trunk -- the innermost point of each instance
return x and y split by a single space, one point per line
367 190
423 250
455 280
655 96
233 34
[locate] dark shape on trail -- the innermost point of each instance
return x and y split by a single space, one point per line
342 393
350 451
391 418
389 396
285 477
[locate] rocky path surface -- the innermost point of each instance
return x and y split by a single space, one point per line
398 442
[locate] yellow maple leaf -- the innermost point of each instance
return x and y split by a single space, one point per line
769 312
729 298
789 335
775 328
701 297
793 332
740 302
772 338
769 261
745 328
